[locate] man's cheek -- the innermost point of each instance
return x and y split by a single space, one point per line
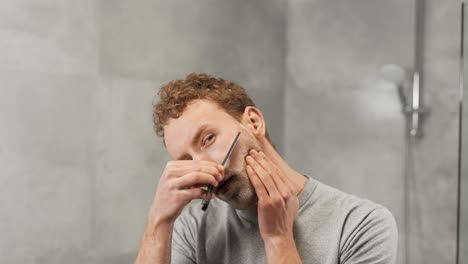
216 154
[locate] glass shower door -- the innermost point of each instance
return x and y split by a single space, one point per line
462 235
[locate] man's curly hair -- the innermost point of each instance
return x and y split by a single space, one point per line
176 95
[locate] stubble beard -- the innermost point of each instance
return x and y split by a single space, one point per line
241 194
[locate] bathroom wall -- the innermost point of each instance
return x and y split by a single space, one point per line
80 161
49 78
343 123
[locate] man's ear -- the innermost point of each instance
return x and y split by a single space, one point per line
253 118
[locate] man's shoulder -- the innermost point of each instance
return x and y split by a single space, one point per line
359 225
348 209
355 212
326 195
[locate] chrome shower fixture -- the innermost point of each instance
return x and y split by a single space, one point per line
416 111
413 111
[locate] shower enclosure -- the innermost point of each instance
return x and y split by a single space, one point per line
462 224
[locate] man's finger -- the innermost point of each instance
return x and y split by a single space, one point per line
190 194
193 179
264 176
184 170
190 164
281 177
183 163
257 184
268 166
274 171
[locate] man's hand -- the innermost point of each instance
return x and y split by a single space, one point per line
180 183
277 207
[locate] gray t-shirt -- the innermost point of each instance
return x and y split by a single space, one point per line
331 227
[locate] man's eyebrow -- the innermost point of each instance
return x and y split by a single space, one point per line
194 140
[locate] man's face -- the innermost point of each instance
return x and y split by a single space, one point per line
205 131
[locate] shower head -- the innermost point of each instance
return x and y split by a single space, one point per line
396 74
393 73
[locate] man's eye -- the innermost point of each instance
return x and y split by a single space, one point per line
208 140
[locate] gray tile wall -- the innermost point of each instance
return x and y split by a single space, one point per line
47 150
48 76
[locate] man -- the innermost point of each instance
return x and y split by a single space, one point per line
266 211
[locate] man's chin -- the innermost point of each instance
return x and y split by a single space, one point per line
240 203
